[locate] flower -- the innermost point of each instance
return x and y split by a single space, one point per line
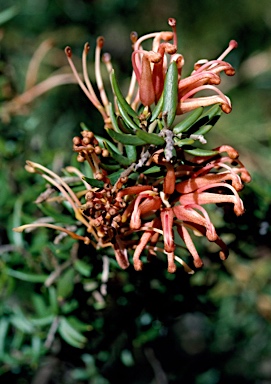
150 182
150 68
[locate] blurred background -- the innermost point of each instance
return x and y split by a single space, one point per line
151 327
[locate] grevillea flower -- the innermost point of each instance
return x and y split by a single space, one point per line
150 68
150 181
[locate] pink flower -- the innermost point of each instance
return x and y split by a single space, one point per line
150 69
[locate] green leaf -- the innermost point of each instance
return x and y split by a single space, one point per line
40 307
184 125
131 153
21 323
113 118
181 142
79 325
121 100
115 176
170 98
153 169
42 321
205 123
65 284
109 167
125 138
29 277
213 111
36 348
16 222
70 334
93 182
122 160
106 143
49 211
82 267
8 14
157 109
127 119
204 130
213 116
201 152
53 300
4 324
150 138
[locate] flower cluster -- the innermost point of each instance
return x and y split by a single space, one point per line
151 175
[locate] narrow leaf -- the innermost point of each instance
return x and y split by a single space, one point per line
79 325
113 118
213 111
127 119
30 277
8 14
150 138
153 169
66 328
93 182
170 98
65 284
204 129
42 321
122 101
181 142
184 125
4 324
201 152
109 167
82 267
157 109
125 138
115 176
22 323
104 142
122 160
131 153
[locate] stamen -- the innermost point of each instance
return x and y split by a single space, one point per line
140 247
170 259
202 88
206 198
106 58
215 66
191 104
121 253
210 229
71 169
167 217
185 266
99 79
86 77
63 187
183 232
172 23
93 100
145 37
133 37
53 226
232 45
